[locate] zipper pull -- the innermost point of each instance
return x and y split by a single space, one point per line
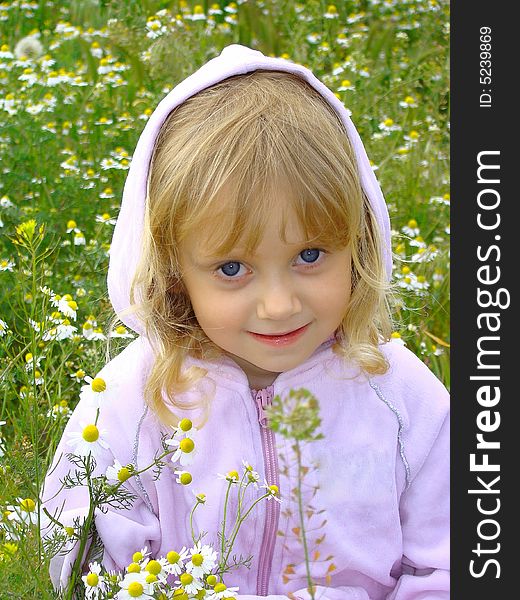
262 401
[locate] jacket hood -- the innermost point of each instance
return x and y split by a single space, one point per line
125 249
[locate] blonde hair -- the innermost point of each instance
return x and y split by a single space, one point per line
250 133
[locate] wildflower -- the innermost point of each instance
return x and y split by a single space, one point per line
412 137
190 584
78 375
94 582
220 591
425 254
418 242
185 450
134 585
345 85
183 477
29 47
121 332
25 512
389 125
231 476
72 226
118 473
198 14
59 409
105 218
274 492
175 561
396 338
79 239
4 328
411 228
202 560
6 264
87 441
95 390
185 429
66 305
107 193
408 102
332 12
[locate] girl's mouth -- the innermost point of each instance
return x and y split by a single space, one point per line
282 339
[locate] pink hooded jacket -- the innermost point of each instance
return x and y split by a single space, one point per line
379 528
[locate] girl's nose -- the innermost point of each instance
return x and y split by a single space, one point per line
278 302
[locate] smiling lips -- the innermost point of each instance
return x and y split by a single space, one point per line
281 339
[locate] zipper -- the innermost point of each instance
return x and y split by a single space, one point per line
263 399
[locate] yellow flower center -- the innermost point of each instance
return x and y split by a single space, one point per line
173 557
151 578
28 505
73 305
405 270
90 433
154 567
133 568
220 587
412 223
186 579
92 579
274 490
186 478
123 474
388 122
211 580
187 445
121 329
135 589
197 559
137 556
98 385
233 475
185 424
395 335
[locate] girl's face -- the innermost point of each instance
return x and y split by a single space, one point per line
241 300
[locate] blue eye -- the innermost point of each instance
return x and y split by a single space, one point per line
231 268
310 255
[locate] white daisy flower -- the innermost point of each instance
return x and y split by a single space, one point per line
87 441
6 264
174 561
220 591
134 585
121 332
4 328
118 472
190 584
95 391
185 450
202 561
274 492
411 228
94 582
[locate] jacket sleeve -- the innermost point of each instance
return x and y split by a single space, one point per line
424 510
119 530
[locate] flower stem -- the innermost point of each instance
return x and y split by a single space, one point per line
310 585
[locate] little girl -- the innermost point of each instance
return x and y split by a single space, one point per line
252 256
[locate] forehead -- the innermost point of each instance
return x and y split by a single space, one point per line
219 237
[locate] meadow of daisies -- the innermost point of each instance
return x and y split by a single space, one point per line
78 81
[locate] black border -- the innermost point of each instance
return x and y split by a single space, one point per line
475 129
